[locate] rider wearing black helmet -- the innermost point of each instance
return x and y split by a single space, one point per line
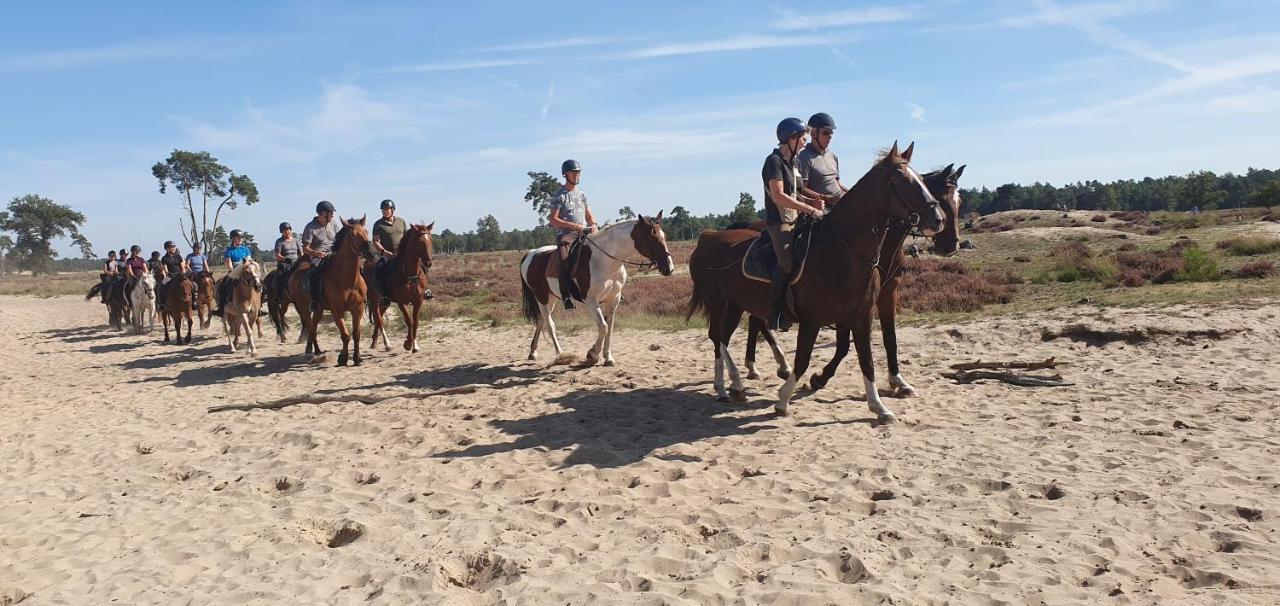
819 166
287 249
317 243
783 204
387 233
570 216
172 263
233 259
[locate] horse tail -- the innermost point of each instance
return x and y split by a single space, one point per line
696 304
95 291
528 302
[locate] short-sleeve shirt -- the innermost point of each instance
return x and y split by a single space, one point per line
572 206
136 266
778 168
320 237
819 170
172 263
289 249
388 235
197 262
237 254
110 265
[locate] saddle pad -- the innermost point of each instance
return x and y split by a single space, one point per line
759 262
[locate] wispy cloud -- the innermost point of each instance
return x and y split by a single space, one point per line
1090 19
861 16
736 43
450 66
546 105
91 57
917 112
550 44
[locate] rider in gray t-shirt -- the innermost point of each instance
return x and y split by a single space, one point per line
819 167
569 216
317 243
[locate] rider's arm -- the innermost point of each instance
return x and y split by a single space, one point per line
279 257
556 222
591 220
226 261
783 200
311 252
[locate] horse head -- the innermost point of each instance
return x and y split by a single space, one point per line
943 184
907 197
252 274
418 240
148 283
354 235
651 242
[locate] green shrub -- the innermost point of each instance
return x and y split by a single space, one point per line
1198 266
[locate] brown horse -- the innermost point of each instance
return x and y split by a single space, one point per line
179 295
275 289
407 285
837 285
241 311
342 290
204 298
943 184
115 300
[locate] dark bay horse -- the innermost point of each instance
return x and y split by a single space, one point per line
406 285
114 298
943 184
275 290
343 290
839 283
179 297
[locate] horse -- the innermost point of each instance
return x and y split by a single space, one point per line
837 284
179 296
142 300
343 289
943 184
205 290
601 268
406 285
243 306
114 298
276 292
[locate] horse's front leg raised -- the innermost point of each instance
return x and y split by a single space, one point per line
411 325
820 380
602 329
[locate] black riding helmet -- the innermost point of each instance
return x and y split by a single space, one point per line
822 120
168 244
284 226
325 206
135 249
569 165
235 233
388 203
789 128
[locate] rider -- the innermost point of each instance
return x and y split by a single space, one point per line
287 251
197 264
782 205
233 259
317 243
387 233
570 217
153 263
819 166
171 264
134 267
110 272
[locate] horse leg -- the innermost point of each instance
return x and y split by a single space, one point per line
804 350
537 331
357 317
230 327
715 325
188 337
164 319
248 333
862 344
411 325
550 326
820 380
340 319
754 326
888 329
602 329
608 335
737 392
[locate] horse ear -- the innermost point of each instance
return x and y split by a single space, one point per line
431 226
906 155
946 172
959 171
642 219
893 151
659 217
362 218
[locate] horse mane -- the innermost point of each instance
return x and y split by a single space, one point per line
404 242
341 238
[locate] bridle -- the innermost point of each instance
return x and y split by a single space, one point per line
641 265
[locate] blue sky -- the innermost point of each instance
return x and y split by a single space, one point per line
444 107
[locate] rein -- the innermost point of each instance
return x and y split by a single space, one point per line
644 265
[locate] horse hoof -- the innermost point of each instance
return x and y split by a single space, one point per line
785 375
356 362
816 383
533 357
342 359
723 399
886 418
781 410
752 374
609 362
738 395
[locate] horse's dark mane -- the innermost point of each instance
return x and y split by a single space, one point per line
404 241
341 238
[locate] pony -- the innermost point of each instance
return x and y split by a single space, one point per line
179 296
205 290
838 283
241 311
600 275
406 285
342 289
142 300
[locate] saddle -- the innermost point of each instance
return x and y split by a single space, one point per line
547 265
760 261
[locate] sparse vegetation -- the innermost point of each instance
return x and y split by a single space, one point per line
1257 270
1248 246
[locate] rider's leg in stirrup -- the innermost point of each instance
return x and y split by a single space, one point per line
780 237
566 279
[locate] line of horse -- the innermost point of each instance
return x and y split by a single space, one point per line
852 273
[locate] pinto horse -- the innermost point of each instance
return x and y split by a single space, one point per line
179 296
406 285
943 184
600 276
205 290
342 290
242 307
838 285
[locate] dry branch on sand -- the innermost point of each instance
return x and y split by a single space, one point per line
969 376
1048 363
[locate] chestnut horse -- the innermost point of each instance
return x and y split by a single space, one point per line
205 290
407 285
837 285
943 184
601 275
241 311
343 290
179 296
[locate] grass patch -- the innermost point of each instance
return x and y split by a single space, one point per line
1249 246
1198 266
1256 270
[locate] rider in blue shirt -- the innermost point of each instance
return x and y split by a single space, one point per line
233 258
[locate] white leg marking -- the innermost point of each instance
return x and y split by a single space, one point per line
874 403
903 388
736 389
784 395
721 394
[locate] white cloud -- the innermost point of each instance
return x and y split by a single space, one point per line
862 16
449 66
90 57
736 43
1088 12
546 106
917 112
550 44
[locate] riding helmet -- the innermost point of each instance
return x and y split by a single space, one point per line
235 233
168 244
325 206
569 165
789 128
388 203
135 248
284 226
822 120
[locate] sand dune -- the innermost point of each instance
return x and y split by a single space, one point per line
1154 480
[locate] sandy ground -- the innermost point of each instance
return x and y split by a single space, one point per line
1154 480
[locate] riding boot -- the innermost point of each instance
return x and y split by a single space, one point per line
778 319
313 287
566 288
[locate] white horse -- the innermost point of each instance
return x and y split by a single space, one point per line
143 301
243 306
638 242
